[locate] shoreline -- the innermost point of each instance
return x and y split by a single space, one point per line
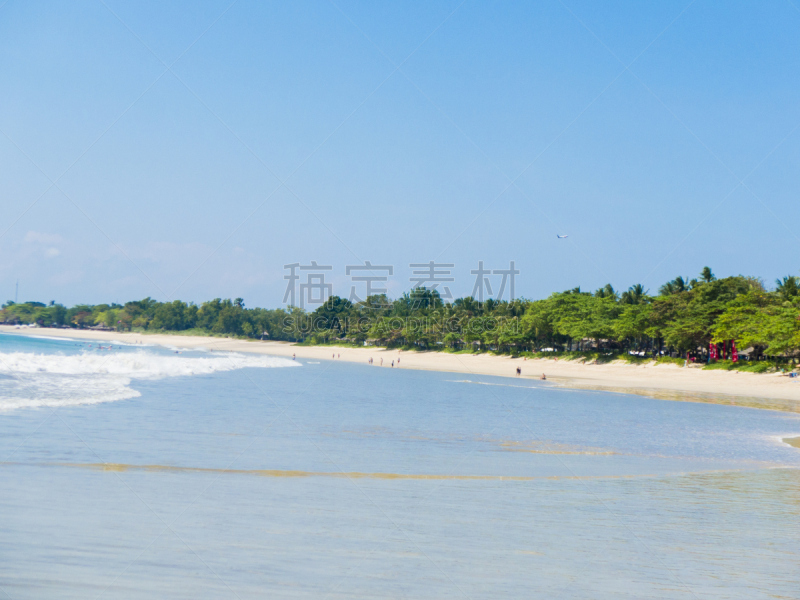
664 381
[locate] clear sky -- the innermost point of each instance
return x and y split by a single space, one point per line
191 149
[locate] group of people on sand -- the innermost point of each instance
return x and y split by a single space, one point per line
371 361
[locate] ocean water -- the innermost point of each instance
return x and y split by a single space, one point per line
145 472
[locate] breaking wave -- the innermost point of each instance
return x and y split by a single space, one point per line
29 380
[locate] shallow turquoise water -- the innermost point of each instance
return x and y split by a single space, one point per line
283 481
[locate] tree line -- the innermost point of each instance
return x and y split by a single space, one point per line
686 315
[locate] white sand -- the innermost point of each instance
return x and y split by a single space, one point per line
662 381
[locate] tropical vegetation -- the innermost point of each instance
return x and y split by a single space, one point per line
684 317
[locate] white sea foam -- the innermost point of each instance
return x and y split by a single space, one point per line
30 380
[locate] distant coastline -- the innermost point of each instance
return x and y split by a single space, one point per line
662 381
732 323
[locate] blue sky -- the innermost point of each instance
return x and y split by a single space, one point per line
198 147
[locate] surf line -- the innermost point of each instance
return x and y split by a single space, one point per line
296 474
523 387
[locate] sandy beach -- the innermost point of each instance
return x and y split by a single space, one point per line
669 382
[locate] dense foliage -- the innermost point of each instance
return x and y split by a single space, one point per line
685 316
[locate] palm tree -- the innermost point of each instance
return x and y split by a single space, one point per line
606 291
467 305
788 287
706 275
634 295
675 286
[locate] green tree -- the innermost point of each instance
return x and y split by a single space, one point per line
676 286
633 323
788 287
173 316
706 275
606 291
636 294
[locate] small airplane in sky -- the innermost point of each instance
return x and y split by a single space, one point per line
561 237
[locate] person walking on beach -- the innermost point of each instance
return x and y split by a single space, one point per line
393 364
543 377
381 361
293 356
519 371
